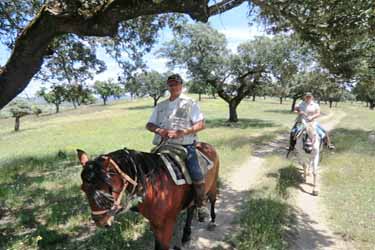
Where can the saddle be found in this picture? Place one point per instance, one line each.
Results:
(174, 157)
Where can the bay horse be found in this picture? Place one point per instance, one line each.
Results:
(308, 147)
(108, 177)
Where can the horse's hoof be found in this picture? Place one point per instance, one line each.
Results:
(185, 239)
(315, 193)
(211, 226)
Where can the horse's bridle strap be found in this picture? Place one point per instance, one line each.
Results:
(121, 173)
(127, 179)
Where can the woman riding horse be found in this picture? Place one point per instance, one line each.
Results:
(310, 111)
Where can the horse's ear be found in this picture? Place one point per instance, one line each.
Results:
(82, 156)
(107, 161)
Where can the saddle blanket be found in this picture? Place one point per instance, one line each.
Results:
(174, 157)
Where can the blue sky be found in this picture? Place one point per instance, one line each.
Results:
(233, 24)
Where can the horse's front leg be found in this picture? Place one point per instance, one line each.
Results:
(163, 234)
(315, 164)
(187, 229)
(305, 171)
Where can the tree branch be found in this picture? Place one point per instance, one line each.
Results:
(224, 6)
(31, 45)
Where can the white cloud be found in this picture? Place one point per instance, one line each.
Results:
(236, 36)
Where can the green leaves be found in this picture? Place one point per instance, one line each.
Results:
(20, 108)
(107, 89)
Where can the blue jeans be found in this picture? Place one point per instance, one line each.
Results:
(319, 129)
(193, 164)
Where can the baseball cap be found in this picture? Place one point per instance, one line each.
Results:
(175, 78)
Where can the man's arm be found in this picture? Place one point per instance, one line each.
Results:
(157, 130)
(195, 128)
(198, 126)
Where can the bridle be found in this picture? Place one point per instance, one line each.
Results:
(305, 132)
(117, 208)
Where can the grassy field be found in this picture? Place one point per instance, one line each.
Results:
(42, 207)
(41, 203)
(348, 178)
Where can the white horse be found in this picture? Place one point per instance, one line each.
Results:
(308, 151)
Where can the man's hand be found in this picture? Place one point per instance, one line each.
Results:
(162, 132)
(173, 134)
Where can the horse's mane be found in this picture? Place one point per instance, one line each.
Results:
(138, 164)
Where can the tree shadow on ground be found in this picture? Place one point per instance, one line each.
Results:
(352, 140)
(44, 162)
(242, 123)
(280, 111)
(289, 176)
(140, 107)
(268, 222)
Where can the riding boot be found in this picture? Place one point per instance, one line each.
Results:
(201, 201)
(292, 142)
(327, 142)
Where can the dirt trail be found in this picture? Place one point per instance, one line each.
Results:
(232, 194)
(311, 233)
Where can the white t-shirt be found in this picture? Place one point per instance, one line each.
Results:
(310, 109)
(181, 113)
(195, 116)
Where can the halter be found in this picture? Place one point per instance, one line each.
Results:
(303, 132)
(116, 208)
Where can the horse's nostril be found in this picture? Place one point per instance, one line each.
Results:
(107, 226)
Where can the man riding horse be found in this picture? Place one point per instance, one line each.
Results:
(178, 119)
(310, 111)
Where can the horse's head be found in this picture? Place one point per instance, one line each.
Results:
(310, 139)
(103, 187)
(310, 130)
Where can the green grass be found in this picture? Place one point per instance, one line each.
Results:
(348, 179)
(268, 216)
(42, 206)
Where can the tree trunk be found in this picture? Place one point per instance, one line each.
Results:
(372, 105)
(330, 103)
(17, 124)
(233, 111)
(155, 101)
(254, 96)
(104, 100)
(74, 105)
(200, 96)
(281, 100)
(293, 104)
(57, 106)
(264, 97)
(213, 92)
